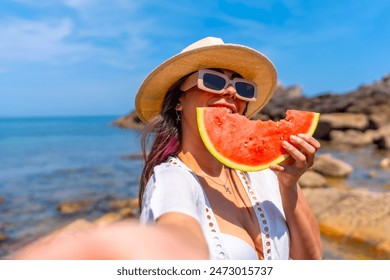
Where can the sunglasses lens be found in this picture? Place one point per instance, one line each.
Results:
(213, 82)
(245, 90)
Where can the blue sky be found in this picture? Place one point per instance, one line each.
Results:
(88, 57)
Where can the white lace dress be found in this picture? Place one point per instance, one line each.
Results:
(175, 188)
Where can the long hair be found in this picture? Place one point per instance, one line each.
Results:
(167, 136)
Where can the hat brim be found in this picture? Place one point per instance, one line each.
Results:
(249, 63)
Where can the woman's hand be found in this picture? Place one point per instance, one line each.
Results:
(305, 241)
(302, 158)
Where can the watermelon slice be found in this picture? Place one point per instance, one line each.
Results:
(250, 145)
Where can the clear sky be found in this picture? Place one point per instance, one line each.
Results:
(88, 57)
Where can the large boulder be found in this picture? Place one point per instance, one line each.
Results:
(327, 165)
(359, 216)
(351, 137)
(342, 121)
(379, 115)
(312, 179)
(72, 207)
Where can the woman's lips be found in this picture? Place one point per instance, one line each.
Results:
(230, 108)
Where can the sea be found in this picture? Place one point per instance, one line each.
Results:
(46, 161)
(49, 160)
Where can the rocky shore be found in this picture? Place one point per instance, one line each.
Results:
(356, 119)
(358, 218)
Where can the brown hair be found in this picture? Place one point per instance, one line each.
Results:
(167, 136)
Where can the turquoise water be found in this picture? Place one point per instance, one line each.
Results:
(45, 161)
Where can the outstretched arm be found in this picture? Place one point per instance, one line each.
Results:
(181, 239)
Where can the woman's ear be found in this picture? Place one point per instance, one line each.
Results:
(178, 106)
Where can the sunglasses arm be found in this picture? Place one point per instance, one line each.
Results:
(190, 82)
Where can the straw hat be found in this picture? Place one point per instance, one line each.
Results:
(209, 52)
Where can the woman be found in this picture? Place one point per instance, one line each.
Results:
(186, 190)
(197, 207)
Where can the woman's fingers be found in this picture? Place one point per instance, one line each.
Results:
(311, 141)
(276, 167)
(303, 145)
(297, 155)
(302, 150)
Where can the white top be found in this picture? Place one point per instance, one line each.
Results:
(175, 188)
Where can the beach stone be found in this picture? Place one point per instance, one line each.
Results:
(351, 137)
(342, 121)
(128, 212)
(380, 115)
(374, 230)
(327, 165)
(71, 207)
(384, 130)
(107, 219)
(321, 201)
(359, 216)
(3, 237)
(385, 163)
(127, 208)
(133, 156)
(129, 121)
(312, 179)
(130, 202)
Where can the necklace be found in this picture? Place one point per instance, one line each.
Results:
(224, 185)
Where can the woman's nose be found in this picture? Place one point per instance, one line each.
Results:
(230, 92)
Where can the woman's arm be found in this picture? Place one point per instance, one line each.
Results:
(175, 236)
(186, 231)
(305, 241)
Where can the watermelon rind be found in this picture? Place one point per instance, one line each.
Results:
(232, 164)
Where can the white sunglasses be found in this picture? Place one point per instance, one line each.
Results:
(216, 82)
